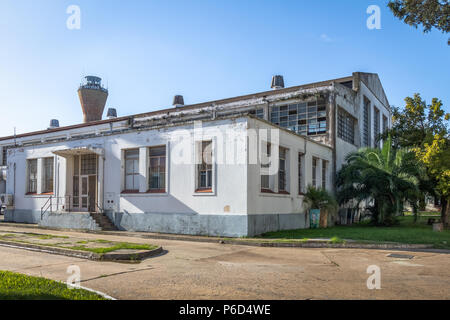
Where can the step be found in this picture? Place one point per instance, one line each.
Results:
(103, 222)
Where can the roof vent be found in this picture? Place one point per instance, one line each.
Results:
(53, 124)
(277, 82)
(112, 113)
(178, 101)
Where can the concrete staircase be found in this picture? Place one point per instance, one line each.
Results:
(103, 221)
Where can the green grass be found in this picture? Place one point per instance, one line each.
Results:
(46, 236)
(406, 232)
(114, 247)
(15, 286)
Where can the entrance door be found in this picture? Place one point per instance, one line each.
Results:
(84, 193)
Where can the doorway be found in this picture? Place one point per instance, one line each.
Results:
(85, 183)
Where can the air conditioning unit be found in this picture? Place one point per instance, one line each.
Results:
(6, 200)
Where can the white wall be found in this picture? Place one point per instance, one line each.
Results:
(230, 185)
(267, 203)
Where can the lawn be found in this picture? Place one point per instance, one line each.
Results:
(113, 246)
(406, 232)
(15, 286)
(99, 246)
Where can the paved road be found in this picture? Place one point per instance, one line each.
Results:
(195, 270)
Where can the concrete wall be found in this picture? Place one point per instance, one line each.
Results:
(208, 225)
(179, 223)
(347, 99)
(261, 223)
(286, 204)
(22, 216)
(375, 101)
(69, 221)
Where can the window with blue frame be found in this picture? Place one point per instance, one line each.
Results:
(305, 118)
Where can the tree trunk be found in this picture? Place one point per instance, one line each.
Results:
(445, 211)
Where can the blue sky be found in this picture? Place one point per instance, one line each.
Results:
(148, 51)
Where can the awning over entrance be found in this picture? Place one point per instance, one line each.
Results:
(79, 151)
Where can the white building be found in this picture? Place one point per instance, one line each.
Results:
(151, 172)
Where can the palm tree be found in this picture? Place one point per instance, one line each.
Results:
(387, 176)
(320, 200)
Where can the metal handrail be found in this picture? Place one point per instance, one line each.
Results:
(49, 207)
(98, 207)
(67, 204)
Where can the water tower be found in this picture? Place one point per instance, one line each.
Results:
(92, 98)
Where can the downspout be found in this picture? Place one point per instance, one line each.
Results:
(333, 135)
(56, 168)
(103, 183)
(14, 192)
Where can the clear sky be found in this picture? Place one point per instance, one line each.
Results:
(147, 51)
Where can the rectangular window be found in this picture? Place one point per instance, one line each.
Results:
(47, 186)
(376, 126)
(88, 164)
(4, 156)
(306, 118)
(204, 168)
(265, 178)
(324, 174)
(32, 176)
(157, 169)
(385, 123)
(131, 170)
(259, 113)
(282, 170)
(300, 178)
(346, 126)
(314, 172)
(366, 128)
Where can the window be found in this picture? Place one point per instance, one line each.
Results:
(376, 125)
(265, 178)
(157, 169)
(282, 170)
(314, 172)
(366, 131)
(307, 118)
(131, 170)
(300, 178)
(324, 174)
(47, 186)
(259, 113)
(32, 176)
(385, 123)
(204, 168)
(4, 156)
(88, 164)
(346, 126)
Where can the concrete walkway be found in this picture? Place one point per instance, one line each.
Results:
(198, 270)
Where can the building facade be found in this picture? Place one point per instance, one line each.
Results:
(232, 167)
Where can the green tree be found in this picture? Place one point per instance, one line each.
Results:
(428, 13)
(385, 177)
(425, 129)
(319, 198)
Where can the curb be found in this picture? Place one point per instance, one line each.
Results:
(253, 243)
(83, 254)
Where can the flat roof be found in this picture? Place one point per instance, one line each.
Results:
(186, 107)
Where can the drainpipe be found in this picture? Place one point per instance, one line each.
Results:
(333, 108)
(14, 192)
(102, 195)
